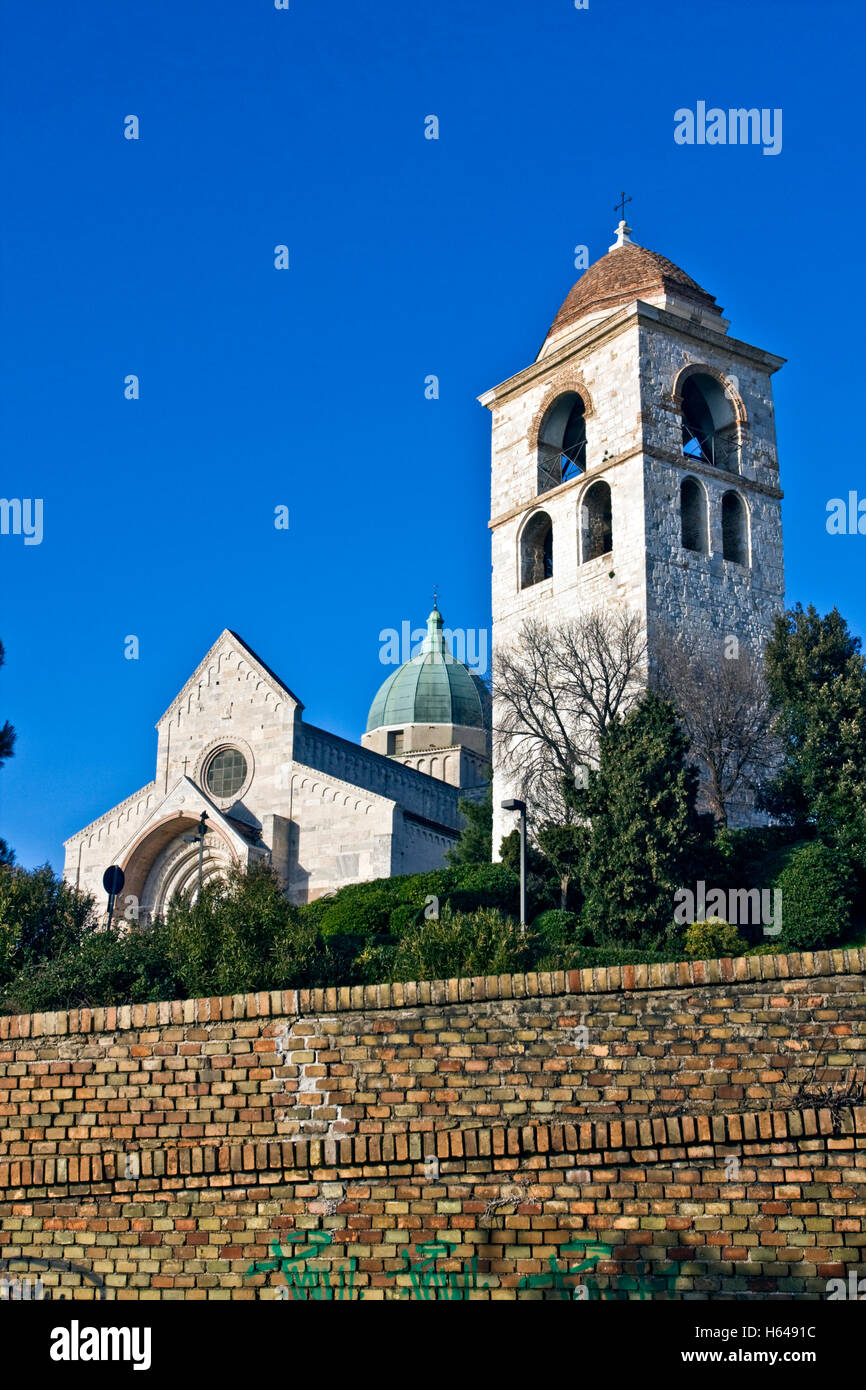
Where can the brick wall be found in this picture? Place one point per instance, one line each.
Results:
(633, 1132)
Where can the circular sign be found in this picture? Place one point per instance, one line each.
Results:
(113, 880)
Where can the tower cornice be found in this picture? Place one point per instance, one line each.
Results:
(611, 327)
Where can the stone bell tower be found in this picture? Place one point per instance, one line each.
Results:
(634, 463)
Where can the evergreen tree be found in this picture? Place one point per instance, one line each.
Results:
(7, 741)
(644, 830)
(475, 845)
(817, 681)
(564, 847)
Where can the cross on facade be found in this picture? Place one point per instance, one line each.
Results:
(620, 206)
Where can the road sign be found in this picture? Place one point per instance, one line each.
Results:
(113, 880)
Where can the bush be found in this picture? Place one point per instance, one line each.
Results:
(240, 934)
(558, 931)
(41, 916)
(817, 892)
(713, 938)
(484, 885)
(404, 917)
(457, 943)
(588, 957)
(362, 909)
(752, 857)
(393, 905)
(374, 962)
(109, 966)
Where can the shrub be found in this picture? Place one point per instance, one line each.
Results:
(393, 905)
(752, 857)
(108, 966)
(558, 930)
(374, 962)
(587, 957)
(404, 917)
(361, 909)
(817, 892)
(240, 934)
(485, 942)
(484, 885)
(713, 938)
(40, 917)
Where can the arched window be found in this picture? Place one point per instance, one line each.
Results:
(562, 442)
(709, 423)
(596, 525)
(735, 529)
(693, 516)
(536, 550)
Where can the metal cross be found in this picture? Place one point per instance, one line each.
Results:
(620, 206)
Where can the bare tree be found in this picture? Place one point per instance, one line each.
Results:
(554, 691)
(724, 707)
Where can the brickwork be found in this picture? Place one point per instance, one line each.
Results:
(448, 1139)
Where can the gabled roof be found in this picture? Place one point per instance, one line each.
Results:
(229, 638)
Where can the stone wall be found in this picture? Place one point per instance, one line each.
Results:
(637, 1132)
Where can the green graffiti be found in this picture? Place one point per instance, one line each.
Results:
(592, 1252)
(303, 1284)
(429, 1283)
(432, 1284)
(555, 1278)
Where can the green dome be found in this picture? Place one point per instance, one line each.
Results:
(432, 688)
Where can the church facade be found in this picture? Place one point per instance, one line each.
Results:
(234, 746)
(634, 465)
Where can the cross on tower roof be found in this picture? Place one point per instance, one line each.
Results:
(620, 206)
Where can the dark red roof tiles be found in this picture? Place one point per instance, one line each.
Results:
(630, 272)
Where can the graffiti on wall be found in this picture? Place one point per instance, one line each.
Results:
(430, 1282)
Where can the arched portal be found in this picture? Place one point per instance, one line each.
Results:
(164, 863)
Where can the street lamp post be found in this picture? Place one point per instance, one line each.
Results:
(514, 805)
(199, 840)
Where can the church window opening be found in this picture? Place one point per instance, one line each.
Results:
(693, 516)
(226, 772)
(735, 529)
(395, 741)
(562, 442)
(709, 423)
(596, 522)
(536, 550)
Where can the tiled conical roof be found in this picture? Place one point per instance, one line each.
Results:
(626, 273)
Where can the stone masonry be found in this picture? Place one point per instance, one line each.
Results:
(628, 351)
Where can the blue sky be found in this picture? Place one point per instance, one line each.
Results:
(408, 257)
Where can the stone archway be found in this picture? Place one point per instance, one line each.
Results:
(164, 863)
